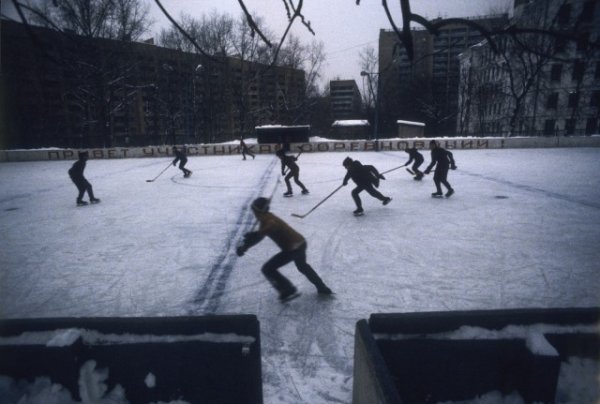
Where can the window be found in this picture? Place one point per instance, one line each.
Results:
(578, 69)
(570, 126)
(595, 99)
(587, 13)
(552, 102)
(583, 41)
(573, 100)
(556, 72)
(564, 14)
(591, 126)
(549, 127)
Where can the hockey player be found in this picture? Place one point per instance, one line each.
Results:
(444, 160)
(418, 160)
(76, 174)
(245, 150)
(182, 158)
(294, 172)
(293, 248)
(364, 177)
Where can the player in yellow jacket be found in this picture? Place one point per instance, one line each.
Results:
(293, 248)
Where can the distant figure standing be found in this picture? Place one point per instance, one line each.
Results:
(294, 172)
(418, 160)
(444, 160)
(76, 174)
(182, 158)
(293, 248)
(245, 150)
(365, 176)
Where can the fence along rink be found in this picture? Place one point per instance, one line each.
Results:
(318, 146)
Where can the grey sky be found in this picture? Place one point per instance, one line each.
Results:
(341, 25)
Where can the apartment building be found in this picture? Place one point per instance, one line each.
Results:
(65, 90)
(425, 88)
(345, 99)
(543, 85)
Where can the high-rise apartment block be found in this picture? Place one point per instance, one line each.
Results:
(345, 99)
(64, 90)
(425, 89)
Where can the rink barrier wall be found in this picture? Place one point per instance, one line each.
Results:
(197, 359)
(408, 357)
(346, 146)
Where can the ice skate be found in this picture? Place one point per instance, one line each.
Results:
(288, 295)
(358, 212)
(437, 195)
(94, 200)
(324, 291)
(305, 192)
(81, 203)
(288, 194)
(386, 200)
(449, 193)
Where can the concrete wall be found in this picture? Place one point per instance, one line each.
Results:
(325, 146)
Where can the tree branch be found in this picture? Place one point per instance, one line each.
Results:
(184, 33)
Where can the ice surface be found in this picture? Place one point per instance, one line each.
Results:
(521, 231)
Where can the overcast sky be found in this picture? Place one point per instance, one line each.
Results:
(343, 27)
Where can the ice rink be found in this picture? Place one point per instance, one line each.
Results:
(521, 231)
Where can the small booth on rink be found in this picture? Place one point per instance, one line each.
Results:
(282, 134)
(409, 129)
(350, 129)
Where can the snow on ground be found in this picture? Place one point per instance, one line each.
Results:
(522, 231)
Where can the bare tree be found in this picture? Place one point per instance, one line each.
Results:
(112, 19)
(369, 63)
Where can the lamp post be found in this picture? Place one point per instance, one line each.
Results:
(376, 120)
(197, 70)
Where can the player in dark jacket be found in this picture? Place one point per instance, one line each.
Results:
(76, 174)
(293, 248)
(444, 160)
(182, 158)
(245, 150)
(365, 177)
(418, 160)
(294, 172)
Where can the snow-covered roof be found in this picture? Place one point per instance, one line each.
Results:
(410, 123)
(281, 126)
(351, 122)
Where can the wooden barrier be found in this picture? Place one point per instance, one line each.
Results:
(346, 146)
(458, 356)
(211, 359)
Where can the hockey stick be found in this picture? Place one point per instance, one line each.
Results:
(153, 179)
(392, 169)
(318, 204)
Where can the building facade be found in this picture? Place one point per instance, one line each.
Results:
(64, 90)
(425, 89)
(345, 99)
(541, 85)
